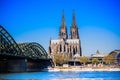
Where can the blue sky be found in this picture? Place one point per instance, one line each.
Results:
(39, 20)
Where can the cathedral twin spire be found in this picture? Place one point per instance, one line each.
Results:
(63, 29)
(73, 20)
(63, 20)
(73, 29)
(66, 45)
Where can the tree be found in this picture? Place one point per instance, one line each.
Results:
(83, 60)
(108, 59)
(59, 59)
(95, 61)
(66, 58)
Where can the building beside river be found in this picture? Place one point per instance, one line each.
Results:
(68, 45)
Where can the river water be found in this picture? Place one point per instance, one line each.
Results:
(113, 75)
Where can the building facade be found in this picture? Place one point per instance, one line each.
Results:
(68, 45)
(98, 56)
(116, 56)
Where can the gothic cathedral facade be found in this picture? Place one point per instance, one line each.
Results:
(66, 45)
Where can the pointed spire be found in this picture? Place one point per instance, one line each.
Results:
(50, 41)
(73, 19)
(63, 21)
(74, 29)
(63, 29)
(97, 52)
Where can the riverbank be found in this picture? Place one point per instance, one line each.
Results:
(81, 69)
(90, 69)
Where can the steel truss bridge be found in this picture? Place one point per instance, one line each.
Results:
(26, 56)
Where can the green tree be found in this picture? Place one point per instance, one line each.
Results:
(83, 60)
(95, 61)
(66, 58)
(59, 59)
(108, 59)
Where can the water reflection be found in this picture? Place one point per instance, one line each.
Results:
(80, 79)
(62, 76)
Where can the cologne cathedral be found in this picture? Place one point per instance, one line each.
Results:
(68, 45)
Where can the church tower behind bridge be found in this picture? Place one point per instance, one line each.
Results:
(68, 46)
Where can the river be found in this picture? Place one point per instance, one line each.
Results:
(93, 75)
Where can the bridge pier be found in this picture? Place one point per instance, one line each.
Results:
(22, 64)
(17, 65)
(3, 65)
(12, 65)
(37, 64)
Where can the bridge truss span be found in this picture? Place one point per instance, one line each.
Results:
(9, 47)
(33, 50)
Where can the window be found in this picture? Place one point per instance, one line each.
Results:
(60, 48)
(76, 48)
(70, 48)
(64, 48)
(74, 51)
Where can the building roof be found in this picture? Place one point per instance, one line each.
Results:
(98, 55)
(115, 53)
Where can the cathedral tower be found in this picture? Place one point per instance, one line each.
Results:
(73, 29)
(63, 30)
(70, 47)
